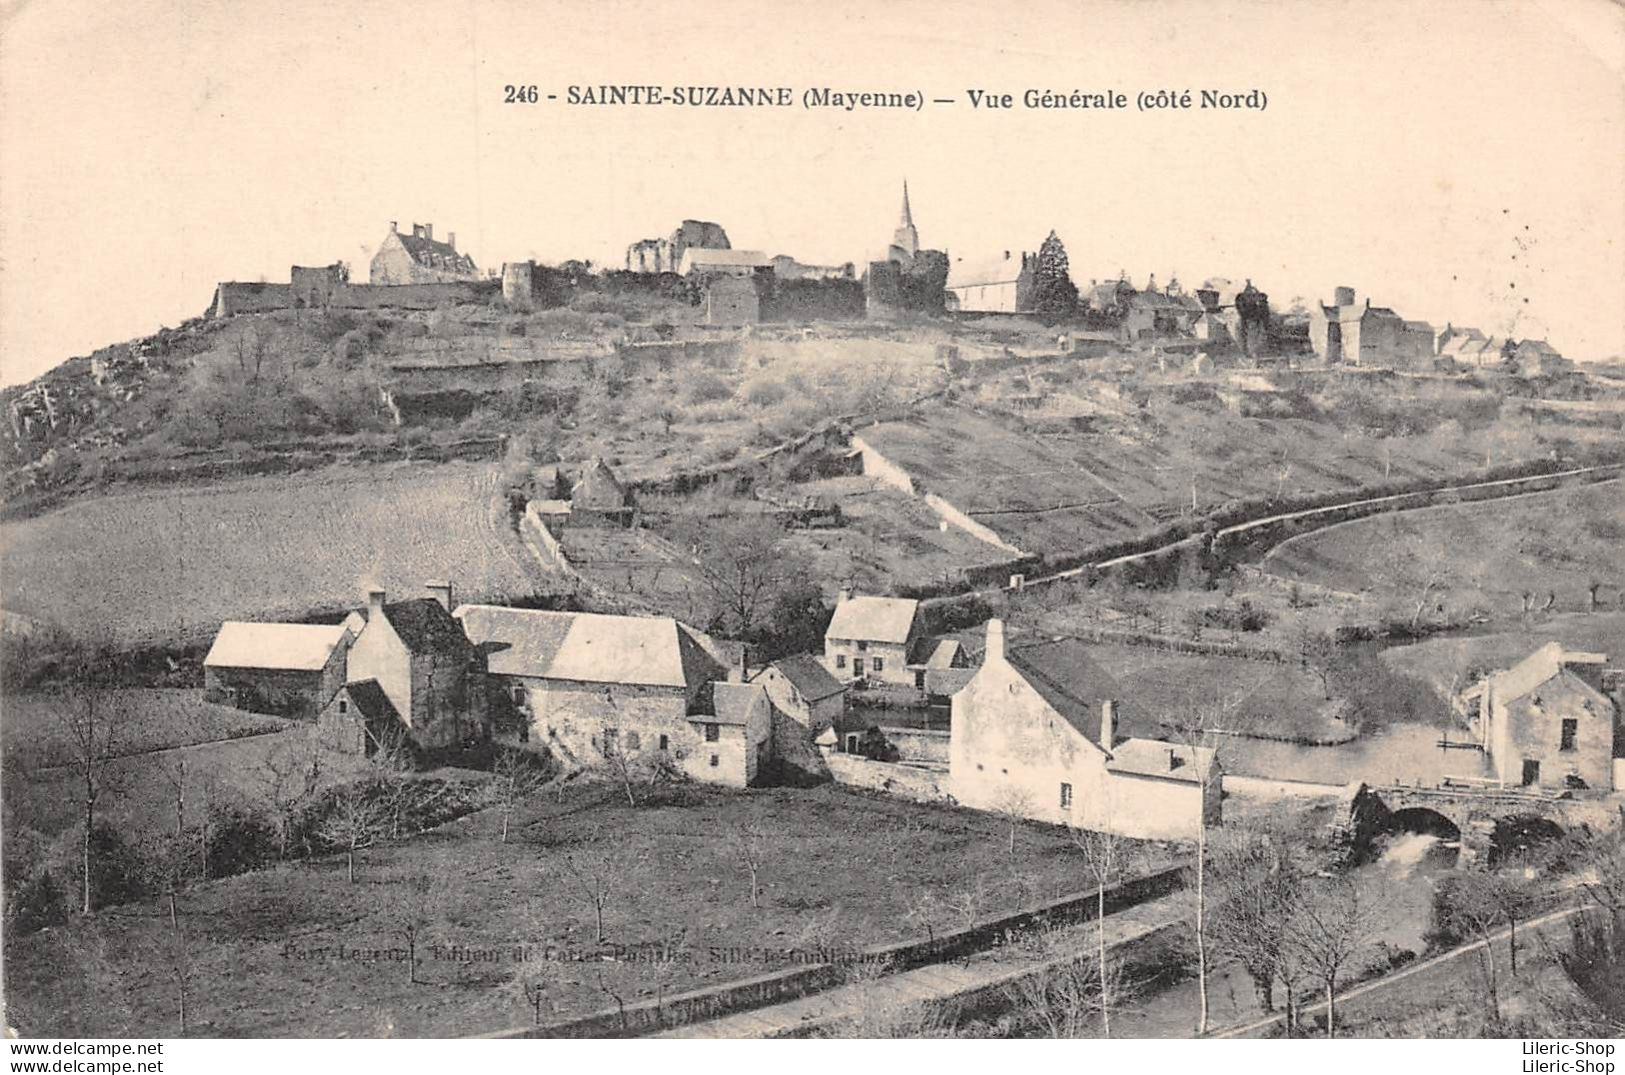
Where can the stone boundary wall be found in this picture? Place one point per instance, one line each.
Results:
(918, 744)
(903, 781)
(713, 1001)
(235, 297)
(532, 526)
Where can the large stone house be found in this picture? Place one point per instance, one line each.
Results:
(426, 667)
(1546, 722)
(1035, 732)
(588, 687)
(288, 669)
(872, 639)
(420, 258)
(802, 690)
(1359, 335)
(999, 284)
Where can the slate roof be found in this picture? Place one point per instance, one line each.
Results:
(732, 703)
(426, 627)
(809, 677)
(701, 258)
(587, 647)
(1167, 761)
(288, 647)
(1538, 668)
(873, 619)
(983, 271)
(434, 253)
(1068, 679)
(371, 701)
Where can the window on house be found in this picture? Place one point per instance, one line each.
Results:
(611, 738)
(1066, 796)
(633, 741)
(665, 744)
(1570, 729)
(712, 733)
(840, 660)
(344, 706)
(715, 761)
(880, 663)
(518, 695)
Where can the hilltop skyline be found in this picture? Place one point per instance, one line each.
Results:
(1449, 183)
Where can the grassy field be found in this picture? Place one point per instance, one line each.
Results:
(35, 734)
(1264, 699)
(1485, 555)
(1458, 661)
(839, 869)
(170, 565)
(1044, 488)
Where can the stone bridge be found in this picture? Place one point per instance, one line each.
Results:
(1488, 821)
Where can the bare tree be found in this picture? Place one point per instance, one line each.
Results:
(1476, 904)
(744, 566)
(393, 767)
(419, 903)
(353, 825)
(1102, 857)
(1258, 888)
(290, 776)
(92, 717)
(1200, 726)
(748, 843)
(596, 873)
(1332, 926)
(517, 777)
(1060, 998)
(1015, 805)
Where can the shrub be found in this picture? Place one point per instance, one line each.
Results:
(351, 347)
(765, 392)
(708, 388)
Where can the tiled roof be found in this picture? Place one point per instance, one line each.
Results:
(588, 647)
(809, 677)
(873, 619)
(426, 627)
(1066, 677)
(290, 647)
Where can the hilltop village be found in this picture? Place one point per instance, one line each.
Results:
(857, 618)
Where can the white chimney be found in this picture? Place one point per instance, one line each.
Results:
(392, 227)
(451, 239)
(441, 591)
(843, 597)
(1108, 724)
(995, 641)
(375, 602)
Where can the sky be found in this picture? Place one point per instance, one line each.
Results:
(1460, 162)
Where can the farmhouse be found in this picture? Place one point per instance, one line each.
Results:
(1035, 732)
(1545, 722)
(288, 669)
(802, 689)
(871, 639)
(425, 665)
(420, 258)
(589, 687)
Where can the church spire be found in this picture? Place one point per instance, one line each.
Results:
(908, 217)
